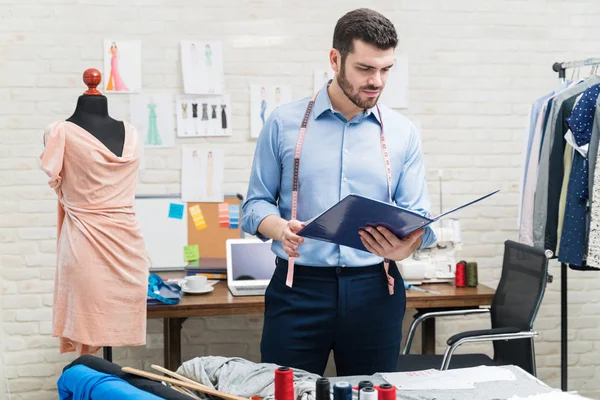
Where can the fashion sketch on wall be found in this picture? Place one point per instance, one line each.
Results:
(202, 67)
(202, 172)
(203, 115)
(122, 66)
(152, 115)
(263, 100)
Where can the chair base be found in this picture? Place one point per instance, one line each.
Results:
(418, 362)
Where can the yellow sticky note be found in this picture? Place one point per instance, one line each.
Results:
(191, 253)
(197, 217)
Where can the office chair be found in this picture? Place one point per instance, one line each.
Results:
(512, 313)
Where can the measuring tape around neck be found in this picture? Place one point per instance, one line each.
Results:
(299, 143)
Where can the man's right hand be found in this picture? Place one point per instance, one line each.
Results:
(289, 240)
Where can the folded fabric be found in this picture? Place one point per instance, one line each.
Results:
(145, 384)
(83, 383)
(245, 378)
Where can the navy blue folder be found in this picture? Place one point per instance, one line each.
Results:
(340, 223)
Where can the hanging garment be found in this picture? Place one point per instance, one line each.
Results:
(550, 170)
(537, 107)
(573, 237)
(101, 276)
(204, 112)
(531, 168)
(567, 163)
(593, 250)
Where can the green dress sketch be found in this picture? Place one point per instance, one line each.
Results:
(153, 137)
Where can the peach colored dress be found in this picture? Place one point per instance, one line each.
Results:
(102, 267)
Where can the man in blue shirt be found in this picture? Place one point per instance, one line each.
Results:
(336, 298)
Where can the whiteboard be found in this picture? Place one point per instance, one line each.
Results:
(164, 237)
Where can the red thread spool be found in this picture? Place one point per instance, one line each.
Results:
(386, 392)
(460, 276)
(284, 384)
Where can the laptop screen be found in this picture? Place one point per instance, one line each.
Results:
(252, 261)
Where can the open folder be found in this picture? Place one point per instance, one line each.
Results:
(340, 223)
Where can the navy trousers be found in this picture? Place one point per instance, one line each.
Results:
(348, 310)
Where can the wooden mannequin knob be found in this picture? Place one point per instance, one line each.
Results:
(92, 78)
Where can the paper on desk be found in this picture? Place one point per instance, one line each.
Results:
(433, 379)
(554, 395)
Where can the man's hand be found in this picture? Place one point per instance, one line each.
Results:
(384, 243)
(289, 240)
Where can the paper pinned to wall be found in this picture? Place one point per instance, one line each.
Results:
(152, 116)
(202, 174)
(263, 100)
(395, 93)
(202, 67)
(122, 66)
(203, 115)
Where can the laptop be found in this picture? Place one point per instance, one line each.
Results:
(250, 266)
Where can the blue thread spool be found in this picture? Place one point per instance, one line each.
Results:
(342, 391)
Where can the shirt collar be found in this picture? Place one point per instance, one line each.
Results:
(323, 103)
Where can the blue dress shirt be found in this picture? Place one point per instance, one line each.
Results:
(339, 157)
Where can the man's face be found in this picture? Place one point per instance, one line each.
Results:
(362, 76)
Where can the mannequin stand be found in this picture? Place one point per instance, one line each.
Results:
(108, 353)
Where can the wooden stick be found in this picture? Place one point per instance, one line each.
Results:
(176, 375)
(183, 391)
(194, 386)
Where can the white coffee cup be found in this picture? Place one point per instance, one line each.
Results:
(195, 282)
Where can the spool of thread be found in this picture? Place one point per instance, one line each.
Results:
(284, 384)
(386, 392)
(323, 389)
(471, 272)
(368, 393)
(460, 279)
(342, 391)
(362, 385)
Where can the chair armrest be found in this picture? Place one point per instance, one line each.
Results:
(482, 332)
(488, 336)
(436, 314)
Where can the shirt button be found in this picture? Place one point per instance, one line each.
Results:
(345, 179)
(343, 265)
(345, 151)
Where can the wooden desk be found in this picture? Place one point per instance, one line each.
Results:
(222, 302)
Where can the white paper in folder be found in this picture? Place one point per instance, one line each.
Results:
(433, 379)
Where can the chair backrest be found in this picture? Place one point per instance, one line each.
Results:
(517, 300)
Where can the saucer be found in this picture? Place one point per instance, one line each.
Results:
(206, 289)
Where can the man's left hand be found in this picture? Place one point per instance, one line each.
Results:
(383, 243)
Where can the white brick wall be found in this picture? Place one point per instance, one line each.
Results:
(474, 68)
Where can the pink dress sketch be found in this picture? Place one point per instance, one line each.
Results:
(115, 82)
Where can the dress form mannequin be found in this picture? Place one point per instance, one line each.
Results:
(91, 114)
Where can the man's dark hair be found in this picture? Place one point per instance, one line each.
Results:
(366, 25)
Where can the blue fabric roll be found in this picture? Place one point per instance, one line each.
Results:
(83, 383)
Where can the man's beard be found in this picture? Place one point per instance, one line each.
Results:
(354, 95)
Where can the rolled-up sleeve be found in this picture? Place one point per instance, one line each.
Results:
(412, 190)
(265, 178)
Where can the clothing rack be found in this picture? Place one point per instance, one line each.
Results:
(561, 68)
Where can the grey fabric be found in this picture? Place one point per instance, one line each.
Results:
(245, 378)
(541, 191)
(593, 216)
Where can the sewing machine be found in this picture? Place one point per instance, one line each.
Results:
(437, 263)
